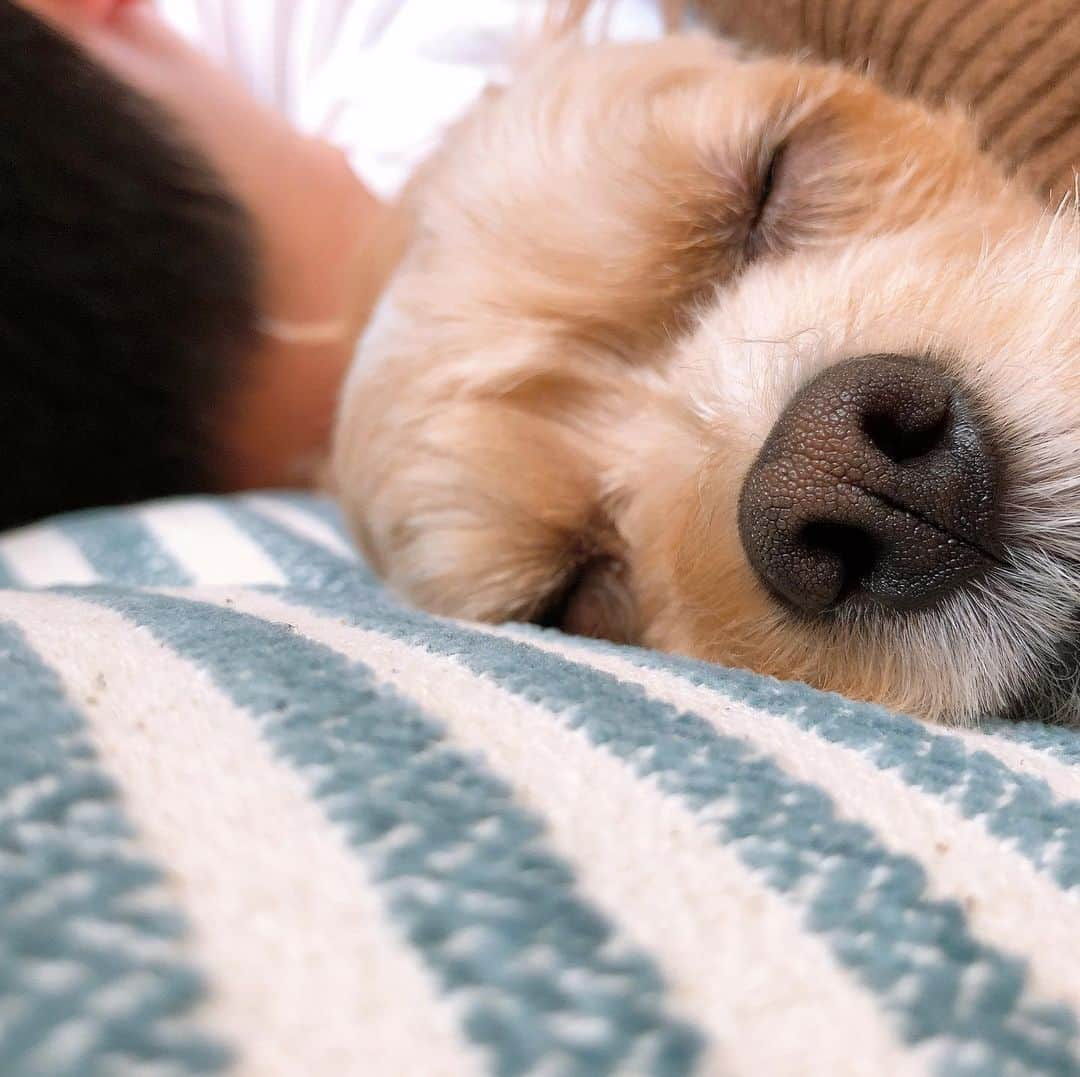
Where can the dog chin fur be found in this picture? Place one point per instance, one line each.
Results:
(599, 322)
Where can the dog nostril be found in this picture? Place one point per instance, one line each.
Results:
(901, 440)
(853, 550)
(877, 484)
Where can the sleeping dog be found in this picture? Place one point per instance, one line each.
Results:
(738, 358)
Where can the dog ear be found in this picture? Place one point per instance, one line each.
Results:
(471, 507)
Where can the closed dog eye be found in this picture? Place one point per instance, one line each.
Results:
(595, 601)
(771, 176)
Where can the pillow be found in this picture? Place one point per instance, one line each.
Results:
(255, 814)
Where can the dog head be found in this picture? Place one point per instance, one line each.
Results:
(746, 360)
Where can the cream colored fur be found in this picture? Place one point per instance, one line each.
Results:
(592, 335)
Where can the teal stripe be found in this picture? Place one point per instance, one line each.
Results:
(121, 548)
(303, 562)
(323, 509)
(7, 579)
(355, 571)
(916, 954)
(458, 859)
(1020, 808)
(62, 866)
(1062, 742)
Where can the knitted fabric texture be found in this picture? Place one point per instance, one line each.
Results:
(257, 816)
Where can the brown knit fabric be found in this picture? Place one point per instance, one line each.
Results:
(1014, 63)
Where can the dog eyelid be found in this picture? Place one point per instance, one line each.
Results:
(767, 184)
(758, 238)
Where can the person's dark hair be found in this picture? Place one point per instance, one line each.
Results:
(127, 285)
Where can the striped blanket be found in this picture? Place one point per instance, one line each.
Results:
(258, 817)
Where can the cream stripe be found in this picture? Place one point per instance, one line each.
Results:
(1062, 778)
(42, 556)
(304, 524)
(208, 545)
(311, 975)
(735, 954)
(1009, 903)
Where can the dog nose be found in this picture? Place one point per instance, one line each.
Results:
(877, 485)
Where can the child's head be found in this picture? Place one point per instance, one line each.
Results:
(127, 283)
(153, 215)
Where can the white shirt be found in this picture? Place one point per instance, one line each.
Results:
(381, 79)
